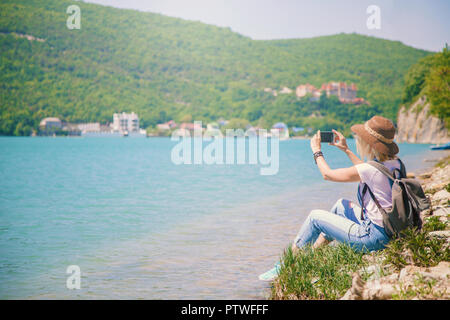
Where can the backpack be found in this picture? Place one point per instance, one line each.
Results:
(408, 200)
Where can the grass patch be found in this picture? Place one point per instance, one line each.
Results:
(434, 224)
(443, 163)
(422, 289)
(326, 272)
(416, 248)
(323, 273)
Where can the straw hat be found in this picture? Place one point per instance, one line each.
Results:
(379, 133)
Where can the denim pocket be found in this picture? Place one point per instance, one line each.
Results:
(363, 231)
(365, 228)
(358, 230)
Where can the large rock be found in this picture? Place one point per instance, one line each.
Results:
(415, 125)
(441, 212)
(441, 195)
(379, 289)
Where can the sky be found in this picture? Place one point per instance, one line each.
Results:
(423, 24)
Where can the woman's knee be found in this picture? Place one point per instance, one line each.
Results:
(339, 205)
(316, 214)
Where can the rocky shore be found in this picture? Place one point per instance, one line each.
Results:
(409, 276)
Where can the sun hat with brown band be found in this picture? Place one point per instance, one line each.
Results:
(379, 133)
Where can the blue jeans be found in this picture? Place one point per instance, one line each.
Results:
(343, 224)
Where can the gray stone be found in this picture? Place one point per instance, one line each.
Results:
(441, 212)
(403, 274)
(441, 195)
(375, 272)
(442, 234)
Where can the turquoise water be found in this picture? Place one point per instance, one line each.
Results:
(141, 227)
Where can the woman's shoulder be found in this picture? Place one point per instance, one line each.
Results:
(365, 171)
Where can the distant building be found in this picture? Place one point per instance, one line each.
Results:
(272, 91)
(89, 127)
(212, 130)
(285, 90)
(359, 101)
(191, 126)
(188, 129)
(282, 130)
(172, 124)
(212, 126)
(71, 129)
(222, 122)
(304, 89)
(346, 93)
(162, 126)
(125, 122)
(167, 125)
(50, 124)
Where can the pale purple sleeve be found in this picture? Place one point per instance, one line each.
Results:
(365, 171)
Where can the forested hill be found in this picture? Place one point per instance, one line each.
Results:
(163, 68)
(430, 77)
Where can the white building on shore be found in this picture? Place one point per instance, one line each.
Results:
(125, 122)
(50, 123)
(123, 125)
(89, 127)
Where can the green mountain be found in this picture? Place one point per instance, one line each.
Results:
(430, 77)
(163, 68)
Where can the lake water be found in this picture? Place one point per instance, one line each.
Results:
(141, 227)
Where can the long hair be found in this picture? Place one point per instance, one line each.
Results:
(367, 153)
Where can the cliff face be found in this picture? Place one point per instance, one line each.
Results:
(415, 125)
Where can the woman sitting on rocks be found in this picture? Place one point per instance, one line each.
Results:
(347, 222)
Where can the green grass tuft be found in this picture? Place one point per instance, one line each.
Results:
(442, 164)
(434, 224)
(416, 248)
(324, 273)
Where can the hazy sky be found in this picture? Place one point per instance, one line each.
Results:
(419, 23)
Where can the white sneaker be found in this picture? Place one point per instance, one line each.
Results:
(271, 274)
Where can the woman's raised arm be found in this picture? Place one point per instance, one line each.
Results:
(341, 143)
(338, 175)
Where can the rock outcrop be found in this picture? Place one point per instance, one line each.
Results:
(420, 283)
(416, 125)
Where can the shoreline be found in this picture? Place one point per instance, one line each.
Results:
(416, 266)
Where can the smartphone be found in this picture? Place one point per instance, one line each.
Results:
(326, 136)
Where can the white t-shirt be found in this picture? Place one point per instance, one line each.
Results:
(380, 186)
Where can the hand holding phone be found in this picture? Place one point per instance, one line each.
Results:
(326, 136)
(339, 141)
